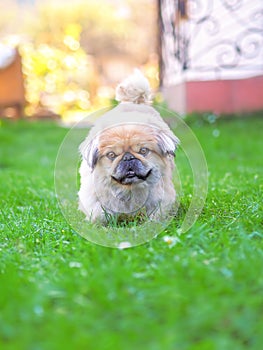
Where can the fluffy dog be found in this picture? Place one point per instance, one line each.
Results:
(128, 159)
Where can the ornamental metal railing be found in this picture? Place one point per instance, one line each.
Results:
(210, 38)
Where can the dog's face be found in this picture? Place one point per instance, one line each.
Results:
(130, 154)
(128, 161)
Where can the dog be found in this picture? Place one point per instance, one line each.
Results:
(128, 159)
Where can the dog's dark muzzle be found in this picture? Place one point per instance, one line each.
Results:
(130, 170)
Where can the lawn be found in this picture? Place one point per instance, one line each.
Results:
(205, 291)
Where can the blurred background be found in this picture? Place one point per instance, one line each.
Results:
(63, 60)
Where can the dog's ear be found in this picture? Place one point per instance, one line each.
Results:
(90, 152)
(167, 142)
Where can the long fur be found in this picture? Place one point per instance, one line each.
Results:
(128, 125)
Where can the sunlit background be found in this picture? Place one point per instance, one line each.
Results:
(72, 54)
(63, 59)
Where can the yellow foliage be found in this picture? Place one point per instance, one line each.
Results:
(55, 79)
(68, 43)
(73, 30)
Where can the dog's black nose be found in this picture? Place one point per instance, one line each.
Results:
(128, 156)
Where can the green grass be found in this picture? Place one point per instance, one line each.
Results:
(59, 291)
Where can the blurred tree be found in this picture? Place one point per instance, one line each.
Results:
(70, 46)
(102, 26)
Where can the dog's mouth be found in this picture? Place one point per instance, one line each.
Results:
(132, 177)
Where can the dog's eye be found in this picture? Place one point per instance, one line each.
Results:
(111, 155)
(144, 151)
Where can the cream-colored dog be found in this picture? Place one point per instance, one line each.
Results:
(128, 159)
